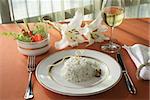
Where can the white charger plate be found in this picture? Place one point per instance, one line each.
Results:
(53, 81)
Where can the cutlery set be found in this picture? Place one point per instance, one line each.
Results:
(31, 63)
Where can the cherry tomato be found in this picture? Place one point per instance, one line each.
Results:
(36, 38)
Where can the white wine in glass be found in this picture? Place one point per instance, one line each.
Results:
(113, 15)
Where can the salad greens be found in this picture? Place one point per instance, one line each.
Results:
(23, 38)
(38, 33)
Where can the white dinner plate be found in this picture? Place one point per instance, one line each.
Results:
(53, 81)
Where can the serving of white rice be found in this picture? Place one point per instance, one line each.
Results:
(78, 69)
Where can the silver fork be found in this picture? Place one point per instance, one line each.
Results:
(31, 68)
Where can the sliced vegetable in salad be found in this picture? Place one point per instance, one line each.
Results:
(38, 33)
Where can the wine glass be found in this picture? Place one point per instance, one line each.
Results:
(113, 15)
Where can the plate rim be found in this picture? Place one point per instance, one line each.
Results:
(79, 94)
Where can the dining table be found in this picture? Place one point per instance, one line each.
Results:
(14, 74)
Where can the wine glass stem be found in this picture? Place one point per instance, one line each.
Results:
(112, 31)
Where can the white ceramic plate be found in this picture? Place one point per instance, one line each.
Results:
(53, 81)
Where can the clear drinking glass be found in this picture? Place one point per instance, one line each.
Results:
(113, 15)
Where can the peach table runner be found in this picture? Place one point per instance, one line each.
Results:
(14, 76)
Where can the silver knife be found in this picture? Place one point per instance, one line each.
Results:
(128, 80)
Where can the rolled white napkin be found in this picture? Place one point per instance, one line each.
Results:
(140, 54)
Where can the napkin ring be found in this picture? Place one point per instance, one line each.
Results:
(139, 69)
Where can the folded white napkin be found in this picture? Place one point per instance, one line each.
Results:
(140, 54)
